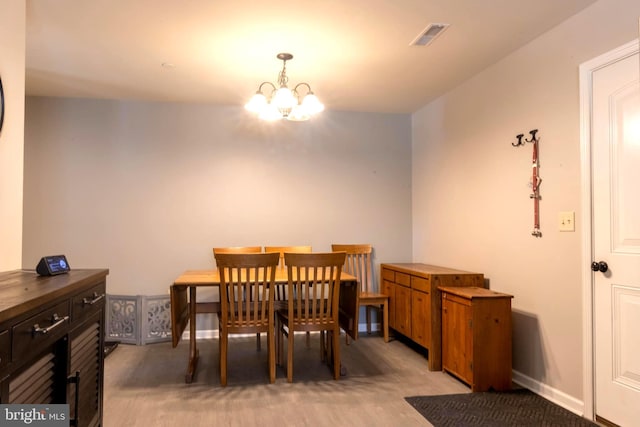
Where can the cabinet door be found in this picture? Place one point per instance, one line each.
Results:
(87, 359)
(389, 289)
(421, 318)
(403, 310)
(457, 342)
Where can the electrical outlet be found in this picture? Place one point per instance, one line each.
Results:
(567, 221)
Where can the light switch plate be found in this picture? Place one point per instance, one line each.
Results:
(567, 221)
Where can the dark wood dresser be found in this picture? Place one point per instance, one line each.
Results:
(52, 340)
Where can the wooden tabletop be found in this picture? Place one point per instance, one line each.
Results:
(212, 277)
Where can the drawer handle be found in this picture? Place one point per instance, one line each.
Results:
(93, 300)
(56, 321)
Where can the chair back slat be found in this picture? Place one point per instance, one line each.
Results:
(358, 263)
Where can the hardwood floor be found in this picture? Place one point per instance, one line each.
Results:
(144, 386)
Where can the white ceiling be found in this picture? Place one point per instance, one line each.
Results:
(355, 54)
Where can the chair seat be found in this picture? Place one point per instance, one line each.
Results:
(301, 325)
(373, 297)
(248, 312)
(246, 322)
(283, 313)
(281, 308)
(250, 324)
(280, 305)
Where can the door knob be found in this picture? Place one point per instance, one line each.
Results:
(599, 266)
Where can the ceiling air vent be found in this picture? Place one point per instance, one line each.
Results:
(429, 34)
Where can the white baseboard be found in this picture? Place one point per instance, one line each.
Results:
(556, 396)
(202, 334)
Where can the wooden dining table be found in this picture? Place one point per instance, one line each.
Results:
(184, 307)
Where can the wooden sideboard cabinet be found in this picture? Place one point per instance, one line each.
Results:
(415, 302)
(52, 341)
(476, 337)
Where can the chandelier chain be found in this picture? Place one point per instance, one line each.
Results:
(282, 77)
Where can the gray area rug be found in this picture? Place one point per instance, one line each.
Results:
(513, 408)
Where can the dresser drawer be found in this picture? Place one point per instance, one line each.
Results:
(88, 301)
(39, 330)
(4, 349)
(420, 284)
(389, 275)
(403, 279)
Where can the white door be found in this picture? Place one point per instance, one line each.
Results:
(615, 145)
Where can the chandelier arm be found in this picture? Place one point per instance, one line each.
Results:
(295, 89)
(273, 87)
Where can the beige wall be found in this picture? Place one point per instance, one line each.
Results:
(12, 60)
(147, 189)
(471, 206)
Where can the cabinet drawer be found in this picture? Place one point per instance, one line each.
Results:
(456, 299)
(4, 349)
(420, 284)
(388, 275)
(88, 301)
(403, 279)
(39, 330)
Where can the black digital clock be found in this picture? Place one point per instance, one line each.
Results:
(52, 265)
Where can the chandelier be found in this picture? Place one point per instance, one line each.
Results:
(283, 103)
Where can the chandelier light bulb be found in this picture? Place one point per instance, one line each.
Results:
(256, 103)
(284, 99)
(298, 114)
(312, 104)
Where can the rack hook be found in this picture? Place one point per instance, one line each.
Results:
(520, 142)
(533, 136)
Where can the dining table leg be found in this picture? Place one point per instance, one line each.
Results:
(193, 350)
(327, 340)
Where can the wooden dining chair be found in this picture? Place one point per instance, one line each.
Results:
(313, 290)
(281, 289)
(358, 263)
(246, 298)
(240, 250)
